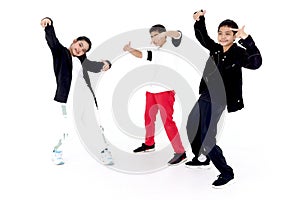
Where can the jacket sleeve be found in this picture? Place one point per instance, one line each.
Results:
(202, 35)
(92, 66)
(252, 58)
(51, 38)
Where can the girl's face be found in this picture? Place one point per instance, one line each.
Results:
(78, 48)
(226, 36)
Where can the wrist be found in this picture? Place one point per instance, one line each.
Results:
(164, 34)
(244, 36)
(130, 49)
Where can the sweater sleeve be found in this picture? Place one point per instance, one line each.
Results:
(51, 38)
(202, 35)
(92, 66)
(252, 58)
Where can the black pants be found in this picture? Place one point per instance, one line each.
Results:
(202, 130)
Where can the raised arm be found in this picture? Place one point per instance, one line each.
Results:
(201, 32)
(252, 58)
(176, 37)
(171, 34)
(50, 35)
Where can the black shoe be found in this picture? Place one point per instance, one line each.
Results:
(144, 148)
(195, 163)
(222, 181)
(177, 159)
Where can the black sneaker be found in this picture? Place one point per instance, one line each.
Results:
(177, 159)
(144, 148)
(195, 164)
(222, 181)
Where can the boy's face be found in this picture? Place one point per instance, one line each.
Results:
(78, 48)
(156, 40)
(225, 36)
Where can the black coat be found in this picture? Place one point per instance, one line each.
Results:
(63, 65)
(222, 75)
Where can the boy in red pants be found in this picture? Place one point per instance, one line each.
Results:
(158, 98)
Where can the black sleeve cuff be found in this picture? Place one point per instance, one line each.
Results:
(247, 42)
(176, 42)
(149, 55)
(109, 63)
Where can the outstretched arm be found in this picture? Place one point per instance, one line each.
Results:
(94, 66)
(134, 52)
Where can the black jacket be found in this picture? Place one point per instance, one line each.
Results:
(222, 75)
(62, 64)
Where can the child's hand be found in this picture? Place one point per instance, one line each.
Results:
(45, 22)
(240, 32)
(197, 14)
(127, 47)
(105, 66)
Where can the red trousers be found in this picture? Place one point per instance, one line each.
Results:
(163, 102)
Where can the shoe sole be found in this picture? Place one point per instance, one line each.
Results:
(224, 186)
(58, 163)
(198, 166)
(182, 161)
(146, 151)
(110, 163)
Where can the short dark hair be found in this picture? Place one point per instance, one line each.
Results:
(157, 27)
(87, 40)
(230, 23)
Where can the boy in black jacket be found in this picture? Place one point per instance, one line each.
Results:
(62, 63)
(220, 86)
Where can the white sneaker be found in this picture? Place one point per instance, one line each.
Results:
(106, 157)
(57, 157)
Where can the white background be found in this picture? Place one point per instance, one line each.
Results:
(259, 142)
